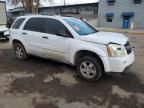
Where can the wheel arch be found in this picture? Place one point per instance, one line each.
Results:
(82, 53)
(14, 41)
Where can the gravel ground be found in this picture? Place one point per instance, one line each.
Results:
(41, 83)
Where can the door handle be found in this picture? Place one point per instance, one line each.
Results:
(45, 37)
(24, 33)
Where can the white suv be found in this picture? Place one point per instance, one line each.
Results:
(71, 41)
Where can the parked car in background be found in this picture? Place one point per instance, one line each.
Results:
(4, 32)
(71, 41)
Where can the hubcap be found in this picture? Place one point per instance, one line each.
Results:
(19, 52)
(88, 69)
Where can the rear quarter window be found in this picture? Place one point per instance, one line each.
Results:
(17, 23)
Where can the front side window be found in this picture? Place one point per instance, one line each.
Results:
(34, 24)
(81, 27)
(55, 27)
(18, 22)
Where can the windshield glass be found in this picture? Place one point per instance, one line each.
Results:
(81, 27)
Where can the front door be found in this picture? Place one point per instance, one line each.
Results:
(56, 47)
(125, 22)
(56, 39)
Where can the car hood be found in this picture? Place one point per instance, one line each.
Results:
(105, 38)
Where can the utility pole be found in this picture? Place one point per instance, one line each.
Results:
(64, 2)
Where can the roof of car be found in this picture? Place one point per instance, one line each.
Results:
(44, 16)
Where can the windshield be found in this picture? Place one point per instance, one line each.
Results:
(81, 27)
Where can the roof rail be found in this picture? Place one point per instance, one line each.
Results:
(31, 14)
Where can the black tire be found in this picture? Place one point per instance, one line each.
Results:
(24, 55)
(96, 63)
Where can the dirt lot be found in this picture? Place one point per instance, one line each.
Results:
(40, 83)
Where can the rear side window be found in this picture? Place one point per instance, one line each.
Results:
(34, 24)
(18, 22)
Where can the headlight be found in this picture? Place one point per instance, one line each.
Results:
(115, 50)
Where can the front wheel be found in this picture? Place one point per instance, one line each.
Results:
(89, 68)
(20, 51)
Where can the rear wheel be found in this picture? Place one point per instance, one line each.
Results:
(89, 68)
(20, 51)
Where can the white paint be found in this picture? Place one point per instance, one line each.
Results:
(105, 38)
(64, 49)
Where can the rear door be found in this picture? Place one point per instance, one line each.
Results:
(32, 33)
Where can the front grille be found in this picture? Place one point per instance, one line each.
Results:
(128, 47)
